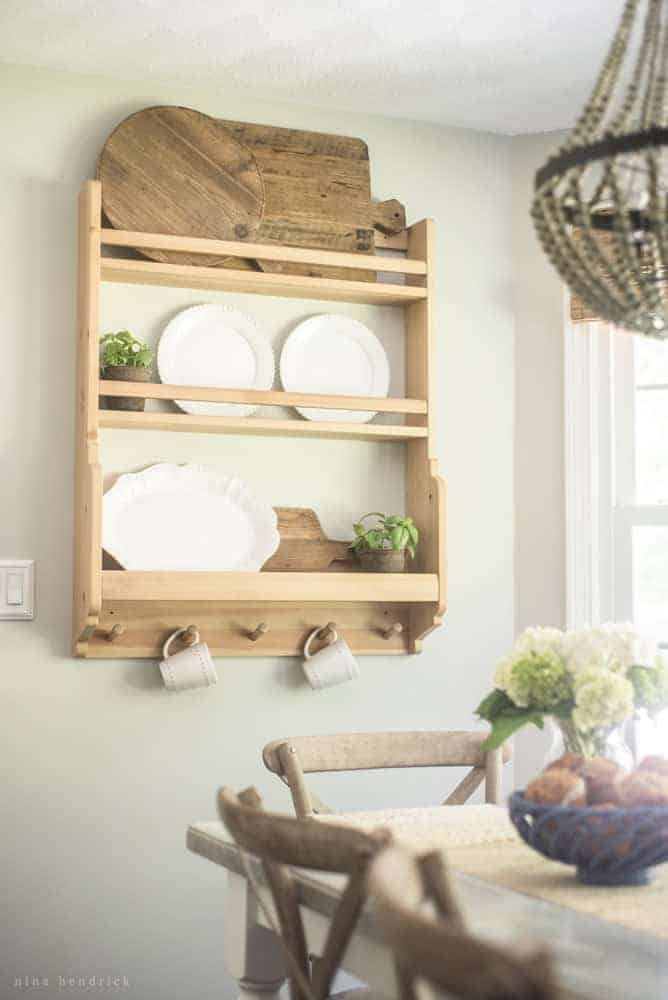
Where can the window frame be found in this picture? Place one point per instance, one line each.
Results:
(599, 439)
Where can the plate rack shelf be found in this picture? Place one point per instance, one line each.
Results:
(128, 614)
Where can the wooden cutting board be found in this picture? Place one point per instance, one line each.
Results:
(317, 187)
(304, 547)
(175, 170)
(318, 194)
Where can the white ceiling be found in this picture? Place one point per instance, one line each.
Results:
(507, 66)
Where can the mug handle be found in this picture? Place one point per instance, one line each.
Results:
(175, 635)
(307, 645)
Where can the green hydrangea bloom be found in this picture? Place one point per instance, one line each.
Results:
(650, 686)
(537, 681)
(602, 699)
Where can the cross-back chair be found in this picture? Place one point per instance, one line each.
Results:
(438, 949)
(294, 757)
(281, 841)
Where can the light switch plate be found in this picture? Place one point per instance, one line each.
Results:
(17, 589)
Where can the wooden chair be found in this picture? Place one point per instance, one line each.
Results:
(294, 757)
(438, 948)
(279, 841)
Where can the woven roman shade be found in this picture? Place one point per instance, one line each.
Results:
(608, 248)
(580, 311)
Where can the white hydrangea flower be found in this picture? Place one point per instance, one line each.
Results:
(614, 647)
(539, 641)
(603, 698)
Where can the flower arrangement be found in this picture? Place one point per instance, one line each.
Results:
(122, 348)
(589, 680)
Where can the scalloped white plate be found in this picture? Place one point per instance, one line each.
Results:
(338, 356)
(186, 517)
(219, 347)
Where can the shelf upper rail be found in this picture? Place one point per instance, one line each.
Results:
(262, 251)
(205, 424)
(259, 397)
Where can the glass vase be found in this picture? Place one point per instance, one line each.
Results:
(610, 743)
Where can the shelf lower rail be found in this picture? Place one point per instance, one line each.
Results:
(145, 272)
(304, 588)
(158, 421)
(262, 397)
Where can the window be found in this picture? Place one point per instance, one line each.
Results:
(640, 434)
(616, 407)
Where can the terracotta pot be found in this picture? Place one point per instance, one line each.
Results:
(125, 373)
(383, 561)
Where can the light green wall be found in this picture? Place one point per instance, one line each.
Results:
(104, 768)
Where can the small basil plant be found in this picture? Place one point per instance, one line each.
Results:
(387, 532)
(122, 348)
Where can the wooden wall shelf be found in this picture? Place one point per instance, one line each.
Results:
(129, 614)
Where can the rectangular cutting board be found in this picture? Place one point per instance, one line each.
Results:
(317, 187)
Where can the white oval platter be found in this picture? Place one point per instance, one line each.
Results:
(219, 347)
(187, 517)
(334, 355)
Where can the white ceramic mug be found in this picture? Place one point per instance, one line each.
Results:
(191, 668)
(334, 664)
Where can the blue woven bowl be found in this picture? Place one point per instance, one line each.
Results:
(608, 846)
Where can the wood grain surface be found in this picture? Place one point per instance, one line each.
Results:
(304, 547)
(318, 193)
(175, 170)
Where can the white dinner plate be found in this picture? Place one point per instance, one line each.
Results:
(219, 347)
(334, 355)
(186, 517)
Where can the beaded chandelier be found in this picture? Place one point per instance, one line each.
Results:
(601, 201)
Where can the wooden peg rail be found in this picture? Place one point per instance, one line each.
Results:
(309, 580)
(229, 629)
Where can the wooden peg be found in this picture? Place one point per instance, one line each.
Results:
(115, 632)
(258, 632)
(190, 636)
(396, 628)
(328, 632)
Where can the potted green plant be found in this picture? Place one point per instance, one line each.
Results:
(382, 547)
(125, 358)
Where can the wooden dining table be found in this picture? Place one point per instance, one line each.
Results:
(607, 943)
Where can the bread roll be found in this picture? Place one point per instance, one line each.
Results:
(557, 786)
(643, 788)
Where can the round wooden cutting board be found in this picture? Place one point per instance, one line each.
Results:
(174, 170)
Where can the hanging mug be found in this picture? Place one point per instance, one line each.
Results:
(192, 667)
(333, 664)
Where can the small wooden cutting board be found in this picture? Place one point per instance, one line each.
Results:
(304, 547)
